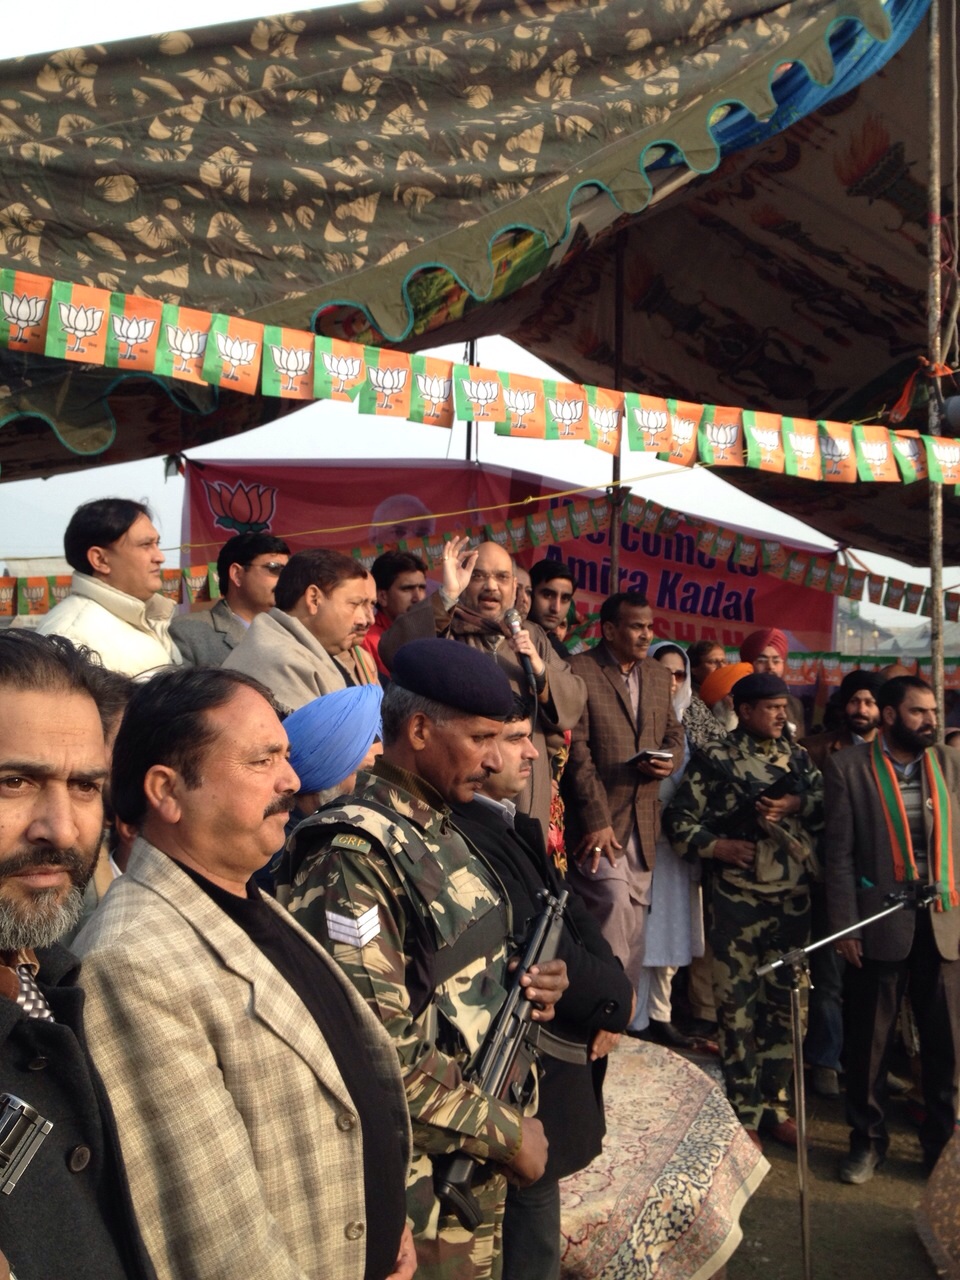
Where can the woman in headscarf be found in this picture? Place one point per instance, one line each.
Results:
(674, 932)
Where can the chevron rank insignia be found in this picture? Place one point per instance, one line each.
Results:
(355, 931)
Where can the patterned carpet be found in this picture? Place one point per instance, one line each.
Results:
(663, 1201)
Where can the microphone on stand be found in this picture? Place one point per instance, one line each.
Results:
(515, 623)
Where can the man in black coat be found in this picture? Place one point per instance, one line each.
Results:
(66, 1212)
(595, 1008)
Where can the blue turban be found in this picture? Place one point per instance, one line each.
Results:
(330, 736)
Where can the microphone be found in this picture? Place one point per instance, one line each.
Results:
(514, 622)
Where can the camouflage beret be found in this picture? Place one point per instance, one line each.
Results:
(455, 675)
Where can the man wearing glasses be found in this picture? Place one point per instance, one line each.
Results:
(477, 591)
(247, 567)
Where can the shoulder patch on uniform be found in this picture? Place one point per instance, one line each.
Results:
(346, 840)
(356, 931)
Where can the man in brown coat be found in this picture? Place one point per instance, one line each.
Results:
(892, 815)
(611, 791)
(857, 697)
(476, 592)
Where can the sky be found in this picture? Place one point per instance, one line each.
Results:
(33, 513)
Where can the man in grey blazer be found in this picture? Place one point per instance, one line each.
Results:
(887, 805)
(259, 1102)
(247, 570)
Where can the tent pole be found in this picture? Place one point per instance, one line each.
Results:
(617, 494)
(471, 358)
(933, 342)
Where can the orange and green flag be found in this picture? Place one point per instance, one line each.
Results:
(567, 411)
(910, 455)
(233, 354)
(386, 391)
(605, 417)
(78, 323)
(837, 578)
(684, 420)
(133, 332)
(182, 343)
(837, 452)
(801, 448)
(8, 597)
(524, 410)
(893, 596)
(24, 310)
(761, 433)
(875, 454)
(431, 391)
(287, 367)
(33, 596)
(943, 459)
(338, 369)
(170, 587)
(875, 584)
(856, 580)
(478, 395)
(648, 423)
(720, 436)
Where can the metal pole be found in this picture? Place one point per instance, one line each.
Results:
(933, 353)
(800, 975)
(616, 493)
(471, 357)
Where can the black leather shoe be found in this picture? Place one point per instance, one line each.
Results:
(666, 1033)
(860, 1166)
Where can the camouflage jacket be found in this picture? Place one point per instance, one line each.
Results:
(388, 894)
(719, 791)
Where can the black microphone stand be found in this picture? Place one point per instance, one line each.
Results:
(915, 898)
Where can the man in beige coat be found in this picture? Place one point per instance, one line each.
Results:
(259, 1102)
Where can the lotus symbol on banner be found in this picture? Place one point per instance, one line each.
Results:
(768, 438)
(344, 368)
(81, 322)
(566, 412)
(244, 508)
(605, 420)
(132, 331)
(520, 403)
(683, 429)
(186, 345)
(6, 596)
(652, 422)
(60, 591)
(480, 394)
(236, 352)
(723, 436)
(803, 446)
(908, 447)
(436, 390)
(835, 449)
(388, 382)
(292, 362)
(22, 310)
(34, 594)
(948, 455)
(875, 452)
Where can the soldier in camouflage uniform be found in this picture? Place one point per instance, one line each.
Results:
(763, 852)
(422, 926)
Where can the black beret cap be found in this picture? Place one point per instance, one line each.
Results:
(753, 688)
(455, 675)
(854, 681)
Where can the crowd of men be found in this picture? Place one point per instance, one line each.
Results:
(299, 840)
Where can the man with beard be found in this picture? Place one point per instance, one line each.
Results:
(67, 1213)
(893, 819)
(477, 590)
(823, 1044)
(260, 1097)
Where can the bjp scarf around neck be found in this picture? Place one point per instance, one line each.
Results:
(898, 828)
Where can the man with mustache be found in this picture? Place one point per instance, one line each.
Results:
(893, 822)
(260, 1097)
(420, 924)
(471, 607)
(66, 1214)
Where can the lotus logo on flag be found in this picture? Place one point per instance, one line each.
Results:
(818, 575)
(875, 452)
(34, 595)
(802, 446)
(186, 344)
(480, 394)
(520, 403)
(797, 571)
(6, 596)
(539, 527)
(344, 368)
(723, 436)
(292, 362)
(948, 455)
(604, 421)
(768, 440)
(434, 390)
(652, 422)
(388, 382)
(683, 429)
(908, 447)
(242, 508)
(81, 322)
(236, 352)
(836, 450)
(196, 582)
(566, 412)
(132, 331)
(22, 310)
(723, 546)
(60, 591)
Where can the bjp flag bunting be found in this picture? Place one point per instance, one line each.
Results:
(648, 423)
(386, 391)
(338, 369)
(24, 310)
(523, 405)
(801, 448)
(78, 328)
(720, 436)
(182, 343)
(910, 455)
(684, 420)
(567, 411)
(233, 354)
(431, 391)
(287, 367)
(604, 415)
(761, 433)
(478, 395)
(837, 452)
(875, 456)
(133, 332)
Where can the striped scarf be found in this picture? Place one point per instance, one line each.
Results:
(898, 828)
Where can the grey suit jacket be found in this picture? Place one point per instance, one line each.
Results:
(233, 1118)
(279, 651)
(859, 861)
(206, 638)
(599, 788)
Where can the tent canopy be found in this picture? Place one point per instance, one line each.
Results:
(402, 173)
